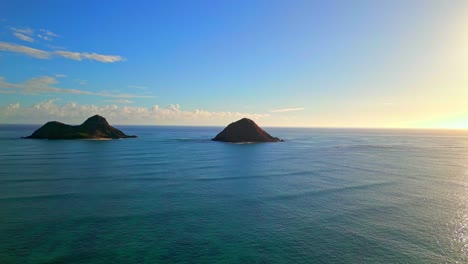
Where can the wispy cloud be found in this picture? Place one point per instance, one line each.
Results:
(90, 56)
(27, 34)
(81, 82)
(69, 55)
(45, 84)
(47, 35)
(102, 58)
(138, 87)
(120, 101)
(287, 110)
(24, 34)
(26, 31)
(23, 37)
(44, 37)
(72, 112)
(42, 54)
(36, 53)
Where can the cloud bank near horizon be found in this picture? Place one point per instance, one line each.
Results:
(74, 113)
(283, 110)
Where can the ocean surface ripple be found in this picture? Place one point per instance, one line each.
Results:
(174, 196)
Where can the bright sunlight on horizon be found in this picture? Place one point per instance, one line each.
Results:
(357, 64)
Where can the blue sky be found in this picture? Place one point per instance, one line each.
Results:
(283, 63)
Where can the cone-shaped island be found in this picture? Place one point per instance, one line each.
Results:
(95, 127)
(244, 130)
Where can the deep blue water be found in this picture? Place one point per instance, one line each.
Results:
(174, 196)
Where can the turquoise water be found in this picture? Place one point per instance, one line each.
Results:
(174, 196)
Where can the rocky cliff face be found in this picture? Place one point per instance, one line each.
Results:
(94, 127)
(244, 130)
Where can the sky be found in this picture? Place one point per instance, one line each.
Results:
(381, 64)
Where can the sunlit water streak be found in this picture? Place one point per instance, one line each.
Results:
(174, 196)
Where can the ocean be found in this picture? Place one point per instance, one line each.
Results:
(174, 196)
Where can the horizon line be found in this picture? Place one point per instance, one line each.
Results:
(274, 126)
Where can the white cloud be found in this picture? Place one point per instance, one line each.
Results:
(60, 75)
(26, 31)
(120, 101)
(72, 112)
(287, 110)
(23, 37)
(44, 37)
(69, 55)
(48, 33)
(13, 106)
(138, 87)
(41, 54)
(113, 95)
(26, 34)
(90, 56)
(45, 84)
(102, 58)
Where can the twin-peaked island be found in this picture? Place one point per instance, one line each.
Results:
(96, 127)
